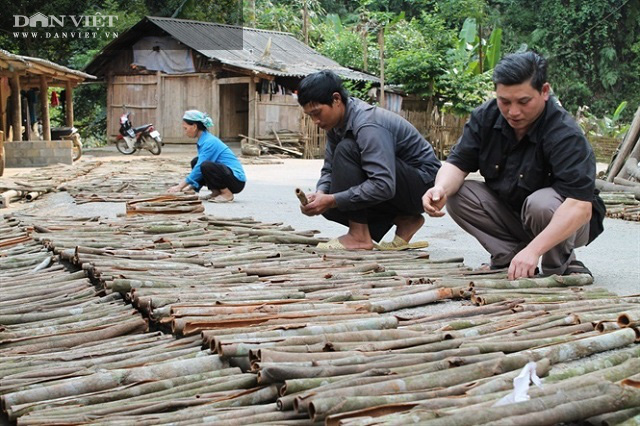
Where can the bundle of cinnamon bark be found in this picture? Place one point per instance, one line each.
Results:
(270, 330)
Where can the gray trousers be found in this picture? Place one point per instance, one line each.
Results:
(503, 233)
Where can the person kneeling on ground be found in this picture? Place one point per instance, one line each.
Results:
(215, 167)
(539, 198)
(376, 167)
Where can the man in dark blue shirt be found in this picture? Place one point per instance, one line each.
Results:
(538, 200)
(376, 166)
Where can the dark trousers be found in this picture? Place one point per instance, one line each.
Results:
(346, 172)
(217, 176)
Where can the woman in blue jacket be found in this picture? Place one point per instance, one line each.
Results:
(215, 167)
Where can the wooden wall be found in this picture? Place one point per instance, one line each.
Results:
(180, 93)
(137, 94)
(278, 112)
(160, 99)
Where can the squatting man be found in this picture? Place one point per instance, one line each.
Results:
(538, 200)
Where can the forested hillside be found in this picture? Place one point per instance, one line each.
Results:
(443, 49)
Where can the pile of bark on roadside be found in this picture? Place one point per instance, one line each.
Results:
(620, 190)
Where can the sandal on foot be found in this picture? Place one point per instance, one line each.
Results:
(332, 244)
(577, 267)
(205, 197)
(399, 244)
(221, 199)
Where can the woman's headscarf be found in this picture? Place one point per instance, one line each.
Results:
(195, 115)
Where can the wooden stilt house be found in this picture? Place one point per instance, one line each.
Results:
(24, 89)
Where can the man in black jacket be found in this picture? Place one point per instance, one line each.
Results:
(538, 200)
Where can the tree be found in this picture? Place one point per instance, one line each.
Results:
(589, 47)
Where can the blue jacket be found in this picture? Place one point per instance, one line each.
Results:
(210, 148)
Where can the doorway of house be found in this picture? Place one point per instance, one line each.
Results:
(234, 111)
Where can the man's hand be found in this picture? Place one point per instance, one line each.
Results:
(434, 200)
(318, 204)
(524, 264)
(184, 187)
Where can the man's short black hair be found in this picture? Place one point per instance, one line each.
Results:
(319, 87)
(519, 68)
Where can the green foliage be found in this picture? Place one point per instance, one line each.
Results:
(422, 55)
(412, 62)
(460, 89)
(278, 16)
(472, 46)
(606, 126)
(464, 83)
(589, 46)
(343, 45)
(493, 51)
(455, 12)
(358, 89)
(285, 15)
(415, 71)
(222, 11)
(90, 110)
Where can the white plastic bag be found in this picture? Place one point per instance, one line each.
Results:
(521, 385)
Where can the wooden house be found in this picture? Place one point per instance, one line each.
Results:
(243, 77)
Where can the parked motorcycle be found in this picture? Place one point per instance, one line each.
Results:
(68, 133)
(132, 139)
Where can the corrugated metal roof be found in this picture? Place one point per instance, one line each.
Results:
(288, 56)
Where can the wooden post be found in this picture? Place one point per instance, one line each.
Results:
(159, 120)
(3, 117)
(2, 161)
(381, 45)
(480, 56)
(27, 120)
(16, 105)
(44, 109)
(253, 14)
(253, 109)
(109, 80)
(215, 106)
(365, 50)
(69, 103)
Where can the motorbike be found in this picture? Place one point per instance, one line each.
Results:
(132, 139)
(68, 133)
